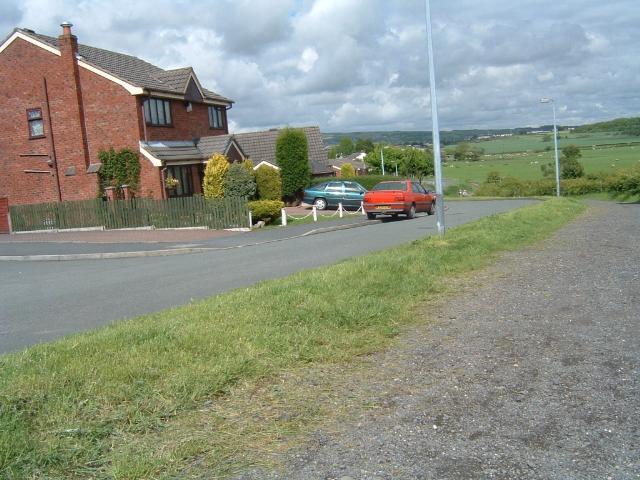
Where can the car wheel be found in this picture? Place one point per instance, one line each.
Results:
(432, 208)
(320, 203)
(371, 216)
(412, 212)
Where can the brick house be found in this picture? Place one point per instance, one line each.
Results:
(62, 102)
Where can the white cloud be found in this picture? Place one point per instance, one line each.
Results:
(350, 64)
(307, 59)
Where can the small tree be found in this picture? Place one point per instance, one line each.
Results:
(416, 163)
(293, 158)
(214, 173)
(268, 183)
(494, 177)
(347, 170)
(570, 167)
(364, 145)
(238, 182)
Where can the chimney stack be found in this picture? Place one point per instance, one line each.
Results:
(66, 28)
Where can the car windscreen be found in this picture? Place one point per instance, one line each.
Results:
(390, 186)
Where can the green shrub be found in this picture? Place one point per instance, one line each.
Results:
(266, 210)
(494, 177)
(238, 182)
(625, 183)
(268, 183)
(292, 156)
(347, 170)
(119, 168)
(214, 173)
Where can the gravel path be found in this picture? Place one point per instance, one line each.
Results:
(532, 372)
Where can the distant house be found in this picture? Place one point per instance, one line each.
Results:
(63, 102)
(355, 159)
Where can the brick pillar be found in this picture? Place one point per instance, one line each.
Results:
(4, 215)
(127, 193)
(111, 193)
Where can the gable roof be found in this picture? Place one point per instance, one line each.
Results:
(261, 146)
(257, 146)
(126, 68)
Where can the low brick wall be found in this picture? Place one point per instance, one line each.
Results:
(4, 215)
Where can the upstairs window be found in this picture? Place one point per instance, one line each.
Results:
(36, 123)
(216, 117)
(157, 111)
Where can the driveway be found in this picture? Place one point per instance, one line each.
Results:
(42, 301)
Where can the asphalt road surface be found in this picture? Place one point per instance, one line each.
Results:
(41, 301)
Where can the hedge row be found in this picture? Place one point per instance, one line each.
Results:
(621, 183)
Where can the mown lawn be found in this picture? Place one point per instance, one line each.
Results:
(134, 399)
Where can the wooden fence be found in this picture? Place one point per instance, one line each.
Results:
(138, 212)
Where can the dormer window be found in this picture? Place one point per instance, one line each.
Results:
(157, 111)
(216, 119)
(36, 123)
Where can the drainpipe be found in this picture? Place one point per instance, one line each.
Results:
(52, 143)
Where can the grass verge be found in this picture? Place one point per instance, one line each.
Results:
(133, 400)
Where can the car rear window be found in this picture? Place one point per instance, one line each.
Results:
(390, 186)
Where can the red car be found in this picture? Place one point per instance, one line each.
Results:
(395, 197)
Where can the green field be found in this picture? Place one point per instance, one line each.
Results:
(526, 165)
(535, 142)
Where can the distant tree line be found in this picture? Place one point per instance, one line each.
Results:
(626, 126)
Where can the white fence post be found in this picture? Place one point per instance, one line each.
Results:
(340, 209)
(315, 213)
(284, 218)
(362, 207)
(250, 220)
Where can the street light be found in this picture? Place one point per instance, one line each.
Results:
(435, 132)
(555, 142)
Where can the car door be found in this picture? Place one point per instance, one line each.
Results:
(353, 194)
(334, 193)
(420, 197)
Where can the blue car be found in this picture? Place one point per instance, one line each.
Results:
(330, 194)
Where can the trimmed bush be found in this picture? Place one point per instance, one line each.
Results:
(292, 155)
(238, 182)
(268, 183)
(214, 173)
(266, 210)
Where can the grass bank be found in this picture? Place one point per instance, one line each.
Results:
(134, 400)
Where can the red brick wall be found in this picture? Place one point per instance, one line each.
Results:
(4, 215)
(99, 115)
(112, 121)
(186, 125)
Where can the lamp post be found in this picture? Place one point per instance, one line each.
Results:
(435, 131)
(382, 158)
(555, 142)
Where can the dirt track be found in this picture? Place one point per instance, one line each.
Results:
(531, 373)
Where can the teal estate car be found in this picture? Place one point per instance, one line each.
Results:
(330, 194)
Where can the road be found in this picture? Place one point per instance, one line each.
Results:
(41, 301)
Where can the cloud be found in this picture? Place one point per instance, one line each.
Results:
(354, 64)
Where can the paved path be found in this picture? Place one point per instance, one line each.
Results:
(532, 372)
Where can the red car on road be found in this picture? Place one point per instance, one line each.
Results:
(399, 197)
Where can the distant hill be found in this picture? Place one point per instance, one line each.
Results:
(422, 138)
(626, 126)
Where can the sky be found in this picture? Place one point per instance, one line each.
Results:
(361, 65)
